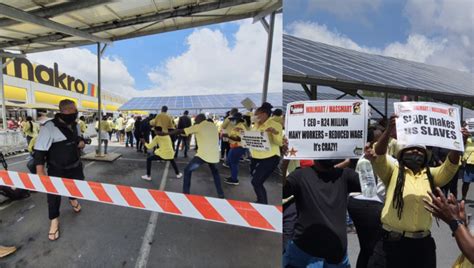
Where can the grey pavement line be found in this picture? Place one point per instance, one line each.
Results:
(144, 253)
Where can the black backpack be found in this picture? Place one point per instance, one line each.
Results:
(11, 193)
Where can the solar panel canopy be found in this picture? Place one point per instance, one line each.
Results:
(310, 62)
(290, 95)
(117, 19)
(216, 103)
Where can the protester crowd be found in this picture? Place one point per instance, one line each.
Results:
(392, 219)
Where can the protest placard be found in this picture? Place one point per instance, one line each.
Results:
(429, 124)
(328, 129)
(248, 103)
(255, 140)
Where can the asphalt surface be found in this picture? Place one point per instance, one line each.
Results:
(103, 235)
(447, 250)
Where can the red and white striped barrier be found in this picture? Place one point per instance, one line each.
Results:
(251, 215)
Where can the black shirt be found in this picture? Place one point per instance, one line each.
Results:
(184, 122)
(321, 203)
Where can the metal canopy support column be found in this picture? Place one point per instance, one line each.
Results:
(268, 58)
(314, 92)
(2, 89)
(306, 89)
(99, 102)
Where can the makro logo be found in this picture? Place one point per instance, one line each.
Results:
(297, 108)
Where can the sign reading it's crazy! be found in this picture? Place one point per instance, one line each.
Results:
(430, 124)
(326, 129)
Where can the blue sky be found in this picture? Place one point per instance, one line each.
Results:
(437, 32)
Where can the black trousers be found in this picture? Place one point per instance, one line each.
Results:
(184, 139)
(366, 217)
(405, 252)
(225, 147)
(156, 158)
(54, 201)
(261, 170)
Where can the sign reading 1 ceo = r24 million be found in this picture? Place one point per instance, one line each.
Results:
(328, 129)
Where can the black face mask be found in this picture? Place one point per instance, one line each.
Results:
(413, 161)
(68, 118)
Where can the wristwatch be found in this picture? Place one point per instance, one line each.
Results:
(454, 224)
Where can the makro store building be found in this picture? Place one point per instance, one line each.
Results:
(30, 86)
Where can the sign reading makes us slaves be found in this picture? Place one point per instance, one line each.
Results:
(24, 69)
(430, 124)
(331, 129)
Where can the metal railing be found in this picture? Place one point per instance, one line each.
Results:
(12, 141)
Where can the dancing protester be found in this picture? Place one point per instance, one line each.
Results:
(236, 150)
(207, 137)
(406, 240)
(164, 152)
(226, 127)
(453, 214)
(264, 163)
(320, 193)
(59, 144)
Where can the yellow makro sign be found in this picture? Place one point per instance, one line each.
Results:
(24, 69)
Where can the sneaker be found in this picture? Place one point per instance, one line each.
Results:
(146, 177)
(179, 176)
(231, 181)
(225, 165)
(221, 196)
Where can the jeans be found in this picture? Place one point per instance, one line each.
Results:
(185, 144)
(295, 257)
(233, 159)
(194, 164)
(261, 169)
(129, 139)
(155, 157)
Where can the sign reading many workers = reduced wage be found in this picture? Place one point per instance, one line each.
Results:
(429, 124)
(327, 129)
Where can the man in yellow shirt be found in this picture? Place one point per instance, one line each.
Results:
(82, 124)
(208, 151)
(166, 122)
(120, 124)
(468, 162)
(164, 152)
(406, 224)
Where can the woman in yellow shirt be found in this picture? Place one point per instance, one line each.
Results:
(236, 150)
(406, 238)
(164, 152)
(30, 129)
(263, 163)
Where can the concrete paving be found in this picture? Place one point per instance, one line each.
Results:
(110, 236)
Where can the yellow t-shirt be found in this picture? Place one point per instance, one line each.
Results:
(30, 130)
(278, 119)
(164, 121)
(276, 141)
(105, 126)
(469, 152)
(414, 216)
(235, 133)
(119, 123)
(111, 124)
(165, 147)
(207, 139)
(83, 126)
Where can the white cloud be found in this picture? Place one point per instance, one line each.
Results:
(211, 65)
(82, 64)
(347, 9)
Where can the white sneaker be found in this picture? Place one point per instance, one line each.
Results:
(146, 177)
(179, 176)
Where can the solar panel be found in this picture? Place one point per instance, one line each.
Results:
(310, 62)
(214, 103)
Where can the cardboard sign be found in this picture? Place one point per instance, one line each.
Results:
(470, 125)
(248, 103)
(329, 129)
(255, 140)
(429, 124)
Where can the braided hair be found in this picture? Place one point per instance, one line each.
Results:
(398, 202)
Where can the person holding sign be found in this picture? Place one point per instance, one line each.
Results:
(263, 163)
(236, 150)
(406, 239)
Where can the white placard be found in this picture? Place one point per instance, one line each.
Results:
(327, 129)
(255, 140)
(429, 124)
(248, 103)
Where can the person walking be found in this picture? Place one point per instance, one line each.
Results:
(183, 122)
(129, 131)
(164, 152)
(59, 144)
(105, 128)
(120, 127)
(30, 129)
(263, 163)
(137, 134)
